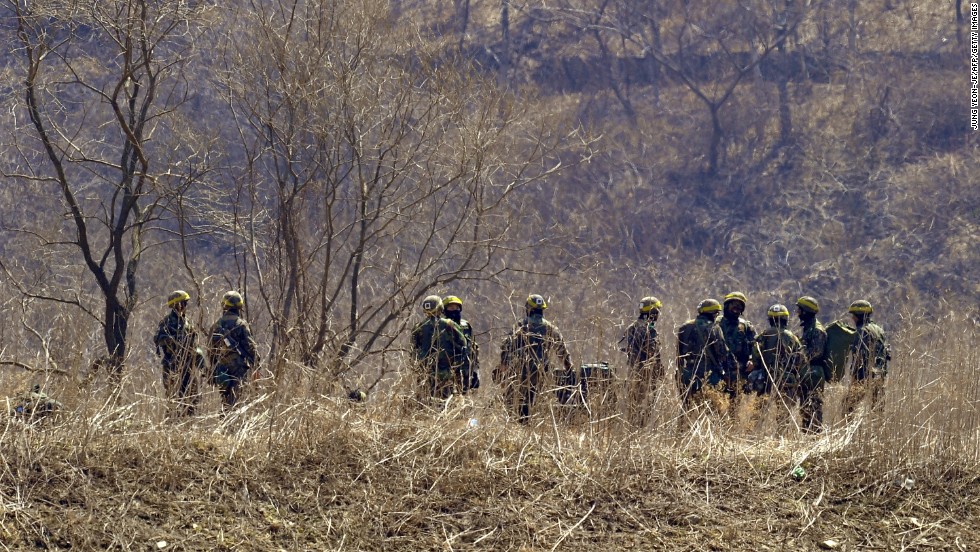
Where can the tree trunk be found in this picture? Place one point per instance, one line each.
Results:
(504, 75)
(715, 145)
(115, 331)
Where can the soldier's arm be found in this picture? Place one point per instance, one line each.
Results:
(681, 347)
(657, 357)
(722, 351)
(474, 348)
(630, 337)
(756, 356)
(817, 346)
(460, 343)
(250, 346)
(560, 349)
(159, 337)
(506, 350)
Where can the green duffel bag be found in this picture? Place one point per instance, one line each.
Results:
(840, 336)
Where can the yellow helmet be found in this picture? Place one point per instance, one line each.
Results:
(233, 300)
(452, 300)
(860, 307)
(535, 301)
(432, 304)
(648, 304)
(736, 296)
(178, 296)
(808, 304)
(709, 305)
(778, 311)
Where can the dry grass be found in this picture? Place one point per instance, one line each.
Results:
(302, 473)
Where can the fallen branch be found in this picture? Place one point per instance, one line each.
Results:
(31, 368)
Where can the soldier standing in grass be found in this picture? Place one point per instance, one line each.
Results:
(643, 356)
(740, 338)
(183, 362)
(702, 355)
(439, 347)
(778, 358)
(467, 374)
(232, 350)
(816, 370)
(868, 357)
(526, 356)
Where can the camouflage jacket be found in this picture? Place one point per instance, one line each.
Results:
(231, 342)
(472, 349)
(740, 337)
(780, 352)
(701, 348)
(642, 343)
(814, 341)
(532, 343)
(175, 338)
(869, 352)
(438, 343)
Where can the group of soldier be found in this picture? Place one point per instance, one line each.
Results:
(229, 350)
(726, 355)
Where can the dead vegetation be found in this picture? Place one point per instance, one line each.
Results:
(302, 472)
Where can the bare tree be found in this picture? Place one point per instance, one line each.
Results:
(374, 170)
(100, 82)
(710, 48)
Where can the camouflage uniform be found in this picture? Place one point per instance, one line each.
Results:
(232, 354)
(740, 337)
(869, 356)
(439, 347)
(643, 356)
(468, 373)
(183, 362)
(816, 372)
(870, 352)
(702, 356)
(525, 355)
(777, 358)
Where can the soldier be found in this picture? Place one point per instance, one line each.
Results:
(232, 350)
(643, 354)
(183, 362)
(777, 357)
(32, 405)
(816, 370)
(439, 348)
(702, 355)
(740, 338)
(526, 354)
(868, 356)
(468, 373)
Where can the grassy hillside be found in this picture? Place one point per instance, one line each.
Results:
(338, 162)
(294, 470)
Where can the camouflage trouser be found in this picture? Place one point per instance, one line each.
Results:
(181, 383)
(873, 387)
(811, 408)
(439, 382)
(810, 395)
(641, 387)
(690, 381)
(466, 377)
(520, 390)
(228, 376)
